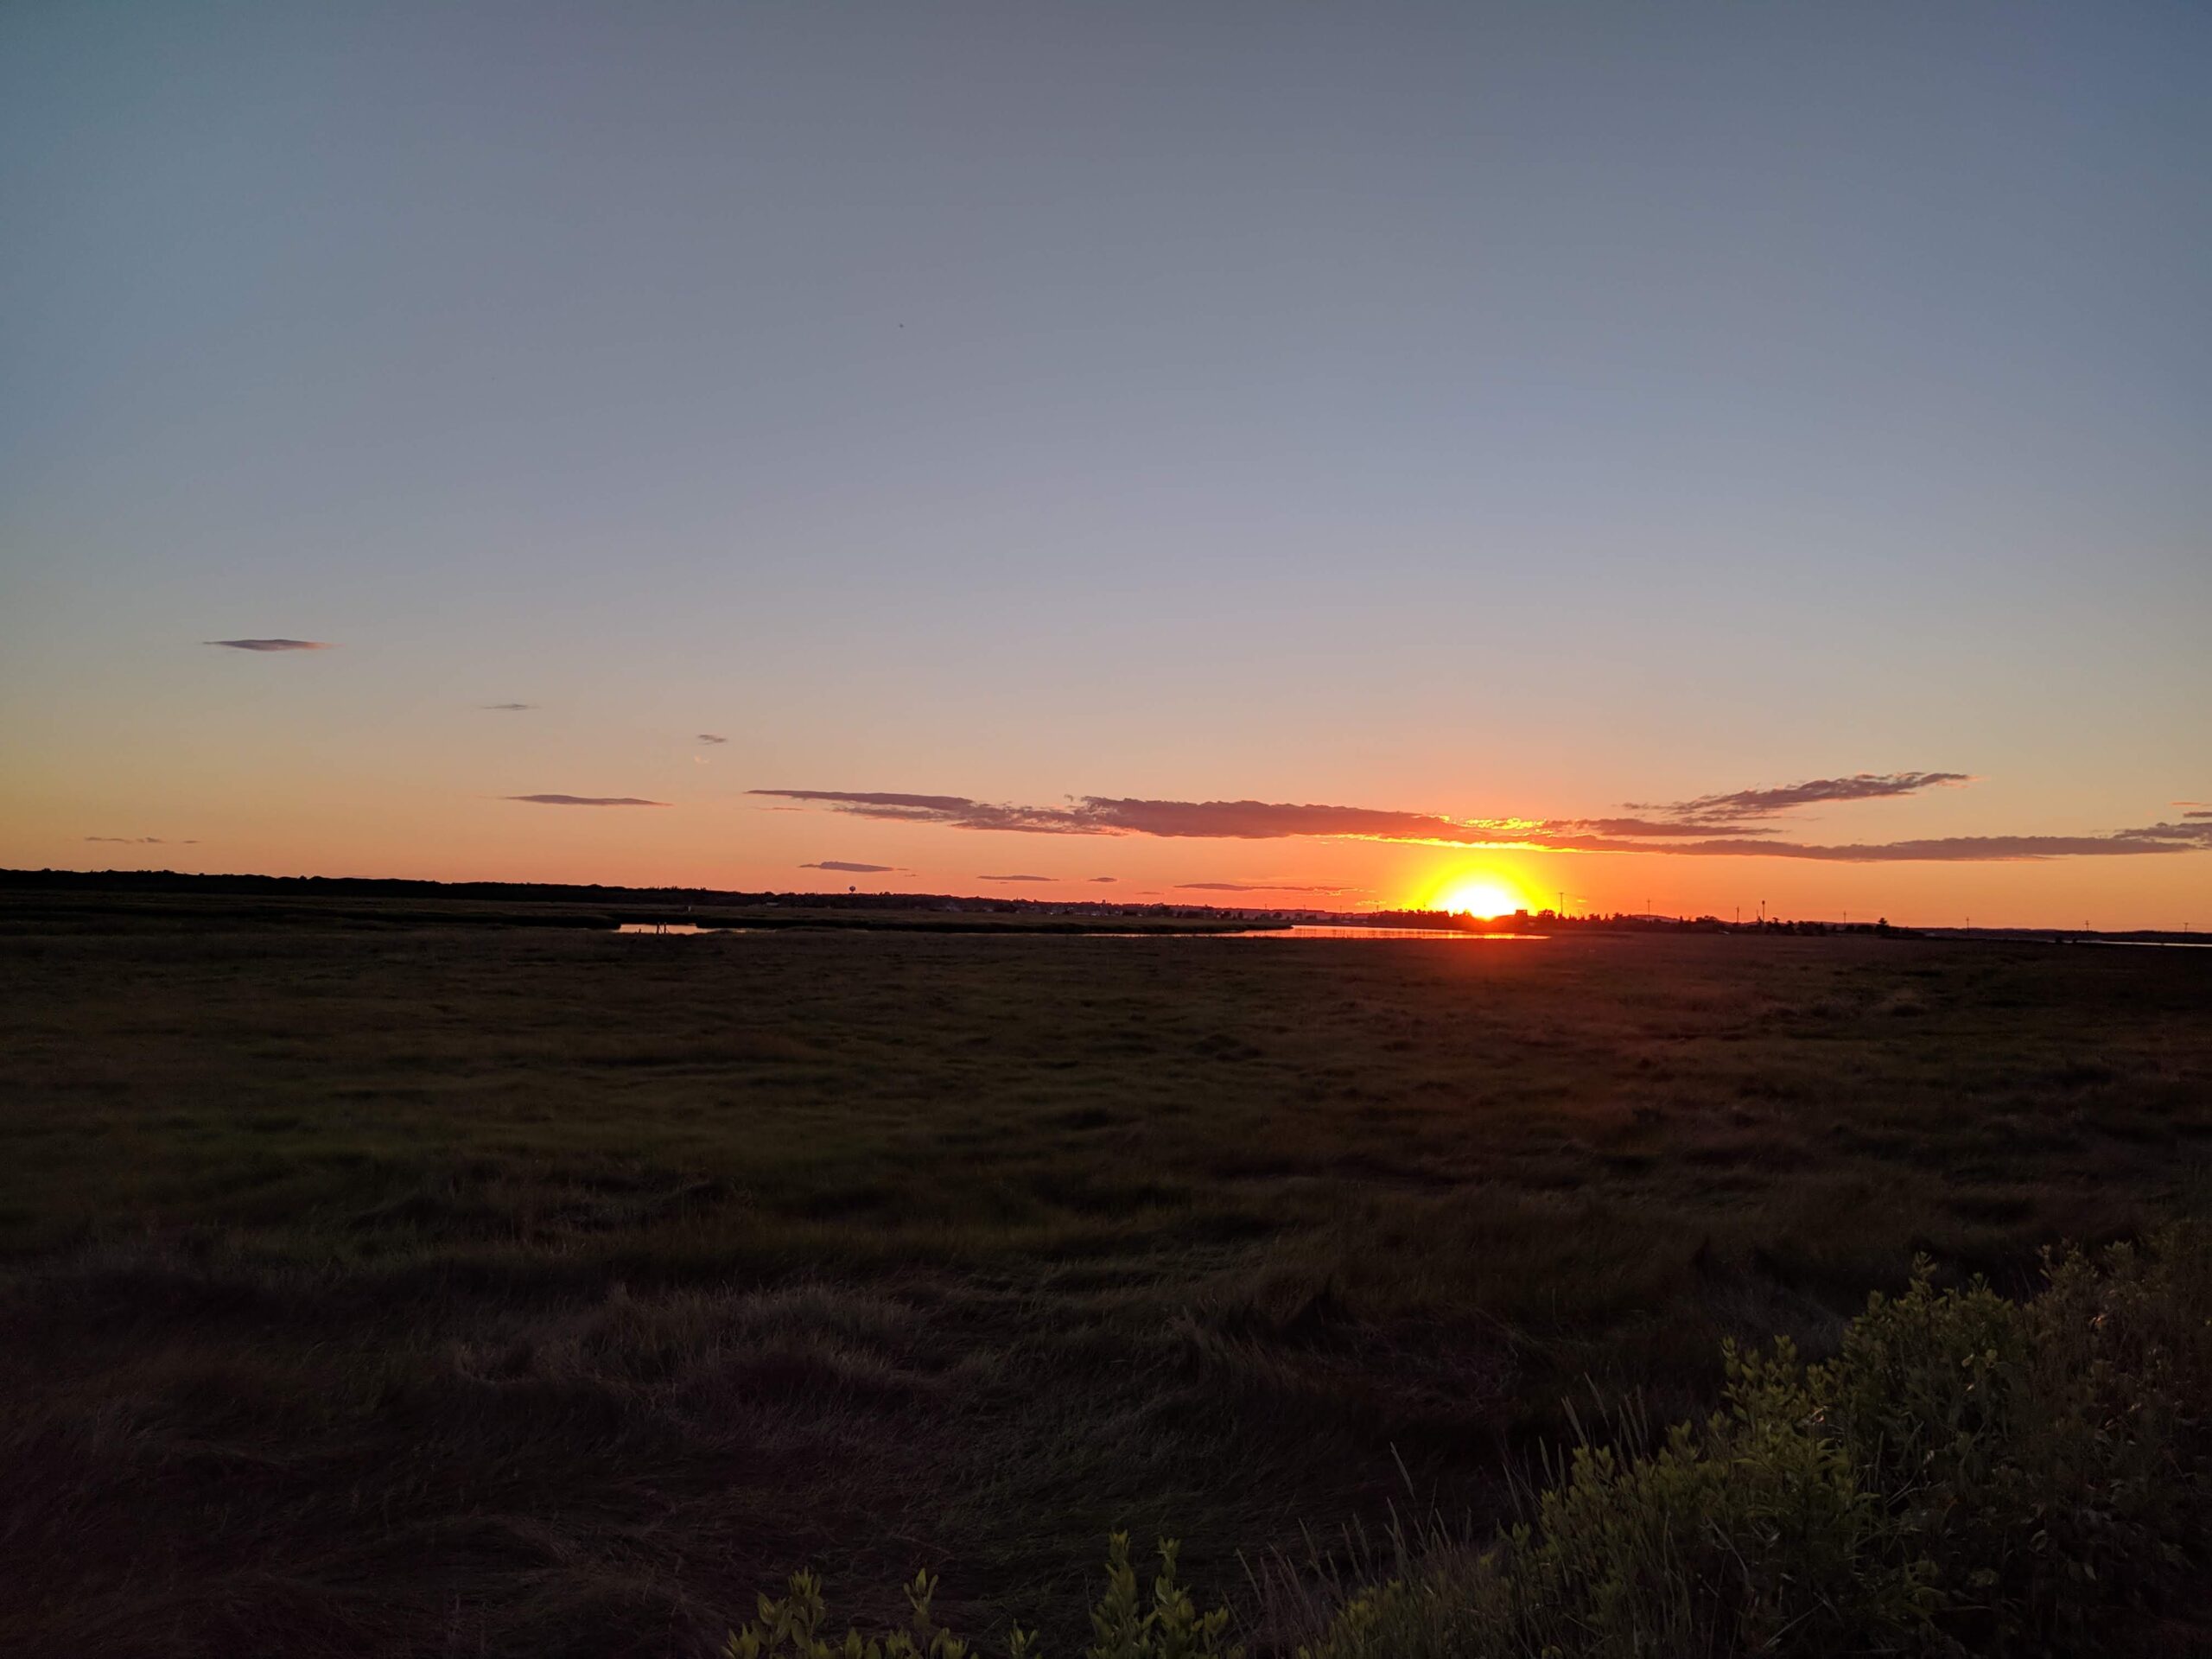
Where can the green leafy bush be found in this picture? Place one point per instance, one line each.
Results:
(1967, 1475)
(791, 1626)
(1124, 1624)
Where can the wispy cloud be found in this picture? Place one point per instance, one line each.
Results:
(1105, 878)
(1720, 825)
(710, 737)
(507, 708)
(1948, 849)
(1017, 878)
(1256, 887)
(844, 868)
(1756, 803)
(142, 841)
(956, 811)
(585, 800)
(272, 645)
(1653, 828)
(1093, 815)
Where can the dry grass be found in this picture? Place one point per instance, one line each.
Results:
(495, 1290)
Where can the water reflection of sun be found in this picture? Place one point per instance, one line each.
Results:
(1478, 895)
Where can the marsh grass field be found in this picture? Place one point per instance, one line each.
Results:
(375, 1283)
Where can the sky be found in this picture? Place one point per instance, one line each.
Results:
(1665, 458)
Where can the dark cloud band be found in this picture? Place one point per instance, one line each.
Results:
(1707, 826)
(585, 800)
(1753, 804)
(1254, 887)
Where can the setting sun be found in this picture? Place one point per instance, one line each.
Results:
(1481, 896)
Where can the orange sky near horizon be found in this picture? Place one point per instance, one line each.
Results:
(712, 834)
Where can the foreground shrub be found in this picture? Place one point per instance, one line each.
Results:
(1968, 1475)
(1123, 1625)
(2050, 1458)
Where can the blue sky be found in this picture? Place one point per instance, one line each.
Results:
(1492, 411)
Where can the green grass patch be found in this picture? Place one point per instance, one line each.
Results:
(521, 1291)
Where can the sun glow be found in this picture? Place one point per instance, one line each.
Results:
(1477, 895)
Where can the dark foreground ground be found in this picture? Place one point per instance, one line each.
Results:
(479, 1290)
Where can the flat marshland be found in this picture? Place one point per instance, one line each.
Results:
(497, 1290)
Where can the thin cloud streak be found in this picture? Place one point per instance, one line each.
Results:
(1654, 827)
(1256, 887)
(1017, 878)
(1946, 849)
(1093, 815)
(846, 868)
(272, 645)
(142, 841)
(955, 811)
(1756, 803)
(584, 800)
(709, 737)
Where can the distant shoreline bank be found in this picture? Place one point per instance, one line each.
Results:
(598, 906)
